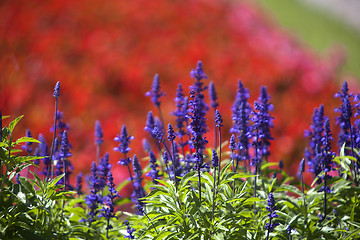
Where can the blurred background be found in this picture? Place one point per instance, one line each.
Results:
(105, 54)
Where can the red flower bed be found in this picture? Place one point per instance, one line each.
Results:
(106, 53)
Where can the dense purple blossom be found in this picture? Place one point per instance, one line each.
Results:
(129, 230)
(94, 198)
(326, 156)
(241, 122)
(107, 211)
(150, 124)
(155, 93)
(158, 134)
(262, 120)
(139, 191)
(232, 144)
(56, 93)
(103, 169)
(153, 173)
(302, 166)
(213, 95)
(272, 213)
(215, 159)
(61, 126)
(166, 157)
(315, 135)
(98, 133)
(123, 147)
(218, 119)
(78, 186)
(171, 133)
(346, 112)
(181, 113)
(44, 151)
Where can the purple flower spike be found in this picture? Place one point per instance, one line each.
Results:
(150, 123)
(98, 133)
(272, 214)
(171, 133)
(129, 230)
(181, 111)
(155, 93)
(124, 141)
(166, 157)
(213, 95)
(218, 119)
(215, 159)
(79, 180)
(64, 149)
(153, 173)
(56, 93)
(302, 166)
(281, 164)
(198, 73)
(232, 144)
(102, 170)
(158, 134)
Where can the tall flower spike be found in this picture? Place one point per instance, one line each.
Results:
(98, 133)
(272, 214)
(158, 134)
(171, 133)
(107, 210)
(150, 124)
(198, 73)
(181, 112)
(94, 198)
(139, 191)
(129, 230)
(124, 141)
(218, 119)
(153, 173)
(103, 169)
(78, 186)
(215, 159)
(302, 166)
(213, 95)
(155, 93)
(56, 93)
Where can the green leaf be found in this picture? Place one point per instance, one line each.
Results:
(14, 122)
(27, 139)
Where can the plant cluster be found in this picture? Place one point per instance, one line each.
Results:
(193, 189)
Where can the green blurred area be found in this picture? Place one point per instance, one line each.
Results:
(317, 29)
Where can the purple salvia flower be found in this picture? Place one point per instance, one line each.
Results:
(107, 211)
(213, 95)
(263, 121)
(181, 112)
(28, 145)
(158, 134)
(94, 198)
(146, 145)
(153, 173)
(56, 93)
(60, 124)
(315, 134)
(302, 166)
(218, 119)
(129, 230)
(215, 159)
(155, 93)
(78, 186)
(281, 164)
(171, 133)
(139, 191)
(150, 124)
(346, 112)
(232, 144)
(198, 73)
(326, 155)
(44, 151)
(166, 157)
(241, 126)
(102, 170)
(98, 133)
(271, 208)
(123, 147)
(63, 155)
(124, 141)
